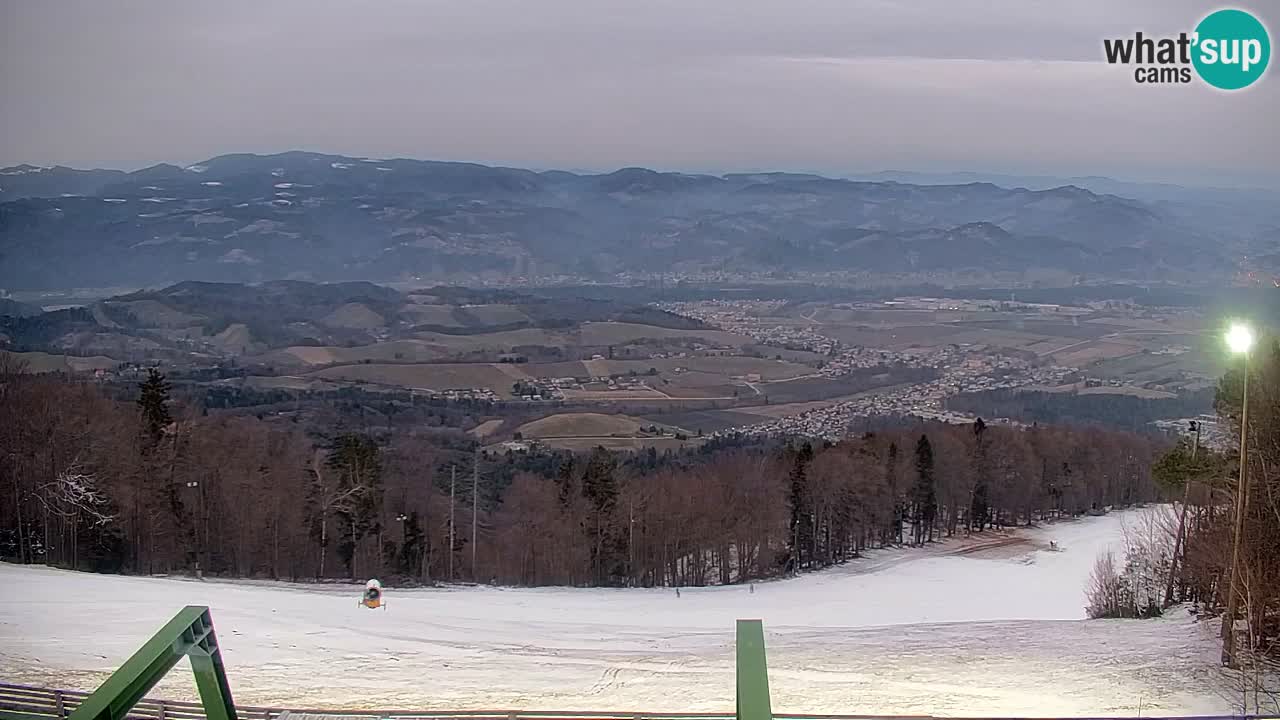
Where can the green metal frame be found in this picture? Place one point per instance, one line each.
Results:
(753, 673)
(189, 634)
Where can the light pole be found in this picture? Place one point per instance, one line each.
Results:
(195, 484)
(403, 519)
(1239, 340)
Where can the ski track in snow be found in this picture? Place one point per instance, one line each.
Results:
(951, 629)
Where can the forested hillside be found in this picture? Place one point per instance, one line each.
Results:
(147, 485)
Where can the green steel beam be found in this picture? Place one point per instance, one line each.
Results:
(753, 673)
(189, 633)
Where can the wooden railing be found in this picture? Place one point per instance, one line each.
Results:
(42, 703)
(45, 703)
(22, 702)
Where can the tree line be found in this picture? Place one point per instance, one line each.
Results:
(153, 485)
(1199, 545)
(1109, 409)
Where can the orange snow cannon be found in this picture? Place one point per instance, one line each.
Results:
(372, 597)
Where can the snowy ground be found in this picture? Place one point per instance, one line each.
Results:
(945, 631)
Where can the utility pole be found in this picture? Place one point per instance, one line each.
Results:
(201, 540)
(453, 491)
(475, 505)
(1178, 540)
(1242, 506)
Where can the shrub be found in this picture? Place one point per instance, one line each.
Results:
(1137, 589)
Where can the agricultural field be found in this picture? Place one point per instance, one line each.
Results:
(38, 362)
(1138, 345)
(1081, 389)
(1084, 354)
(582, 425)
(596, 334)
(602, 394)
(702, 385)
(697, 378)
(428, 346)
(898, 338)
(567, 369)
(283, 382)
(1144, 368)
(723, 365)
(438, 315)
(708, 421)
(354, 315)
(661, 444)
(392, 351)
(491, 314)
(430, 376)
(485, 429)
(582, 431)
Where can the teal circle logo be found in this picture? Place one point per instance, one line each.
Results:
(1232, 49)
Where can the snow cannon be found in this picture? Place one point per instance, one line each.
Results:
(372, 597)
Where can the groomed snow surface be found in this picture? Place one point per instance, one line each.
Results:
(943, 630)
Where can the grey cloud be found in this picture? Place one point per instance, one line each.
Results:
(831, 85)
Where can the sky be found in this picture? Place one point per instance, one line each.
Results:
(832, 86)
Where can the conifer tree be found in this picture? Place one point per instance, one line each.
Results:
(153, 405)
(924, 495)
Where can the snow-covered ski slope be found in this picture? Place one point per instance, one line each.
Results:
(937, 631)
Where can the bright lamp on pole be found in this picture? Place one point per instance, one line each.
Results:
(1239, 338)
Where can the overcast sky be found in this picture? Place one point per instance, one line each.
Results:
(837, 86)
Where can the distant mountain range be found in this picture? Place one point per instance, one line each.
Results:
(297, 215)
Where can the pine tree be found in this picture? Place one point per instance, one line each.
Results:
(600, 488)
(153, 405)
(359, 465)
(564, 480)
(801, 528)
(157, 504)
(980, 505)
(891, 481)
(924, 495)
